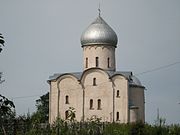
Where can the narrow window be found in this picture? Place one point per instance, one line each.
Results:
(67, 100)
(86, 62)
(117, 116)
(66, 114)
(99, 104)
(97, 61)
(94, 82)
(117, 93)
(108, 62)
(91, 104)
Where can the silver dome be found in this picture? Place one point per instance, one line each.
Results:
(99, 32)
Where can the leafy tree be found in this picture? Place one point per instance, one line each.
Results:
(6, 105)
(1, 41)
(6, 112)
(42, 113)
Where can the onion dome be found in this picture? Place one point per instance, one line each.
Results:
(99, 33)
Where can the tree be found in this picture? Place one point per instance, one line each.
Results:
(6, 111)
(1, 41)
(6, 105)
(42, 113)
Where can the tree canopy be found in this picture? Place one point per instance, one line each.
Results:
(42, 113)
(1, 42)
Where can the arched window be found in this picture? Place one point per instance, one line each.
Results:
(117, 95)
(67, 100)
(66, 114)
(86, 62)
(91, 104)
(108, 62)
(94, 82)
(97, 61)
(117, 116)
(99, 104)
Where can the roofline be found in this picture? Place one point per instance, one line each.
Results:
(106, 71)
(92, 69)
(121, 75)
(61, 76)
(138, 86)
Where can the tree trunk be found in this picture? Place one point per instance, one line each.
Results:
(4, 131)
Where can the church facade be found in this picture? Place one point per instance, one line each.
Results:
(99, 90)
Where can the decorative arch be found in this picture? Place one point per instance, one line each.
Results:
(115, 76)
(119, 75)
(90, 70)
(66, 75)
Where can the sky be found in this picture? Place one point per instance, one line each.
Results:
(43, 37)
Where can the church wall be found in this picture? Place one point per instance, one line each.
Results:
(101, 91)
(121, 100)
(137, 99)
(134, 115)
(71, 95)
(53, 102)
(103, 53)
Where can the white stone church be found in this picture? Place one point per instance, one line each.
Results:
(99, 90)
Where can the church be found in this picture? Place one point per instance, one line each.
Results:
(99, 90)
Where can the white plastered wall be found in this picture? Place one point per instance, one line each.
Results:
(137, 100)
(70, 86)
(101, 51)
(121, 102)
(53, 102)
(103, 91)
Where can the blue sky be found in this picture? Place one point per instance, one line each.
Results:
(43, 37)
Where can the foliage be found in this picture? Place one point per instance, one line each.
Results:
(36, 124)
(116, 129)
(39, 120)
(6, 106)
(6, 113)
(93, 126)
(71, 115)
(42, 113)
(22, 124)
(1, 41)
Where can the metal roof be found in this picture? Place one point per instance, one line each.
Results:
(57, 75)
(132, 79)
(99, 33)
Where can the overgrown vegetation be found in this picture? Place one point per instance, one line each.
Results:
(37, 123)
(25, 125)
(92, 127)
